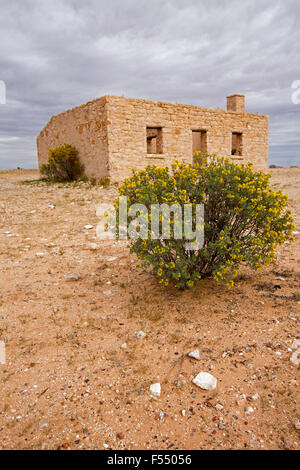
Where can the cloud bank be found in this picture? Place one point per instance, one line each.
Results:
(56, 55)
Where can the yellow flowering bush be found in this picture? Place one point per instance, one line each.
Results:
(63, 164)
(244, 220)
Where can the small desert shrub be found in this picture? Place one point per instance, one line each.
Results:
(63, 164)
(244, 220)
(105, 182)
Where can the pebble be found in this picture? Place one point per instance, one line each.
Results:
(205, 381)
(110, 293)
(155, 389)
(249, 410)
(44, 426)
(139, 334)
(296, 344)
(195, 354)
(94, 246)
(74, 277)
(295, 357)
(88, 227)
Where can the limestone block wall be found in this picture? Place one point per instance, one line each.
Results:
(114, 134)
(85, 127)
(129, 118)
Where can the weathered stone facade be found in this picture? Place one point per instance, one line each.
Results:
(114, 134)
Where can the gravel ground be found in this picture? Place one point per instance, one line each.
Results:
(76, 377)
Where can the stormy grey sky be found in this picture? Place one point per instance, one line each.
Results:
(60, 53)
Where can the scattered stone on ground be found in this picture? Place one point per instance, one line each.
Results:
(65, 364)
(140, 334)
(295, 357)
(195, 354)
(155, 389)
(205, 381)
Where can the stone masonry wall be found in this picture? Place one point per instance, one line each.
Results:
(85, 127)
(111, 134)
(128, 120)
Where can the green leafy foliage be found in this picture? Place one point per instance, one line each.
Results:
(245, 220)
(63, 164)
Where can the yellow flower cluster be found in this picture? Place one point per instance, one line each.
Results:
(244, 219)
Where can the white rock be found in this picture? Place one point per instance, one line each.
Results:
(195, 354)
(219, 407)
(183, 412)
(295, 357)
(297, 425)
(139, 334)
(155, 389)
(94, 246)
(74, 277)
(110, 293)
(112, 258)
(88, 227)
(296, 344)
(44, 426)
(249, 410)
(39, 253)
(124, 346)
(205, 381)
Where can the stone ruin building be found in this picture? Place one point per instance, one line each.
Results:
(115, 134)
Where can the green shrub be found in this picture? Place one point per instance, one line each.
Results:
(200, 158)
(244, 220)
(63, 164)
(105, 182)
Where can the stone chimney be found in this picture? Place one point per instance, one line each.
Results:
(236, 103)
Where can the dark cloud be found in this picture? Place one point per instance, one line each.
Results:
(58, 54)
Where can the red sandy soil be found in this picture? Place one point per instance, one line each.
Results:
(67, 382)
